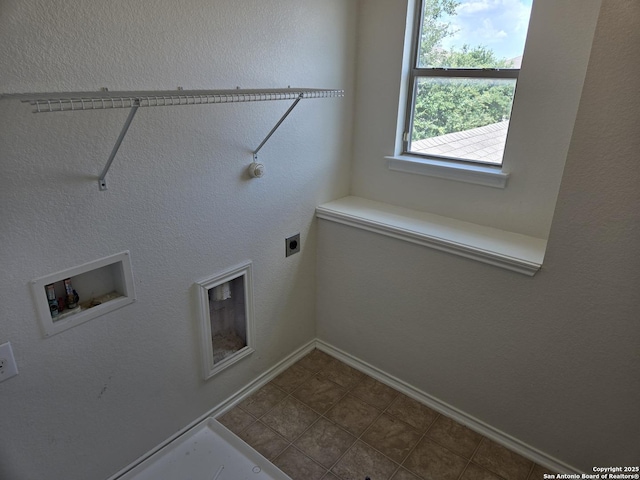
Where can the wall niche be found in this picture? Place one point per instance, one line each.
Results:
(74, 296)
(226, 318)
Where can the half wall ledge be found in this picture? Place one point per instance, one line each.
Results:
(511, 251)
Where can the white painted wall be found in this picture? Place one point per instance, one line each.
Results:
(92, 399)
(544, 110)
(551, 360)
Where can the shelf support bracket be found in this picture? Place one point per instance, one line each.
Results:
(102, 183)
(286, 114)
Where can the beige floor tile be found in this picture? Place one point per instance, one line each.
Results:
(374, 393)
(392, 437)
(455, 437)
(363, 461)
(263, 400)
(290, 418)
(502, 461)
(316, 361)
(433, 462)
(330, 476)
(283, 412)
(403, 474)
(291, 378)
(319, 393)
(474, 472)
(412, 412)
(325, 442)
(538, 472)
(342, 374)
(298, 466)
(236, 420)
(264, 440)
(353, 414)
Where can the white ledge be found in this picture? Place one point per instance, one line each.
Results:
(486, 175)
(512, 251)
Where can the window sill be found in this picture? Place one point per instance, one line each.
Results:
(511, 251)
(486, 175)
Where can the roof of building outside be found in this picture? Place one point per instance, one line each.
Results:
(483, 144)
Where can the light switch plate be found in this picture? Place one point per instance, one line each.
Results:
(8, 367)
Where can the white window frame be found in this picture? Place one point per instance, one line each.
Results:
(416, 73)
(550, 85)
(469, 171)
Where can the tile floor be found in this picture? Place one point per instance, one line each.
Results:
(323, 420)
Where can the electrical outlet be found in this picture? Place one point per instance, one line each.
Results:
(292, 244)
(8, 367)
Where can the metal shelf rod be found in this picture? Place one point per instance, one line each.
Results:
(102, 183)
(106, 100)
(286, 114)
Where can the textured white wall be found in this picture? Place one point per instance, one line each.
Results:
(90, 400)
(552, 360)
(543, 114)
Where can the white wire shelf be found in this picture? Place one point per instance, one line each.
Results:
(79, 101)
(106, 100)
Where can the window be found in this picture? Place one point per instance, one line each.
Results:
(466, 57)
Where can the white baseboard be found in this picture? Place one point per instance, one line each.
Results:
(229, 403)
(441, 407)
(465, 419)
(259, 382)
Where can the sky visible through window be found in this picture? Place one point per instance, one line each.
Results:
(466, 117)
(499, 25)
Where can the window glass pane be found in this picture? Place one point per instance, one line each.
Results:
(473, 33)
(464, 118)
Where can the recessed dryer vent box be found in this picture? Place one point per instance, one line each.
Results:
(79, 294)
(226, 318)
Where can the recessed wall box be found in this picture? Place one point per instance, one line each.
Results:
(79, 294)
(226, 318)
(292, 245)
